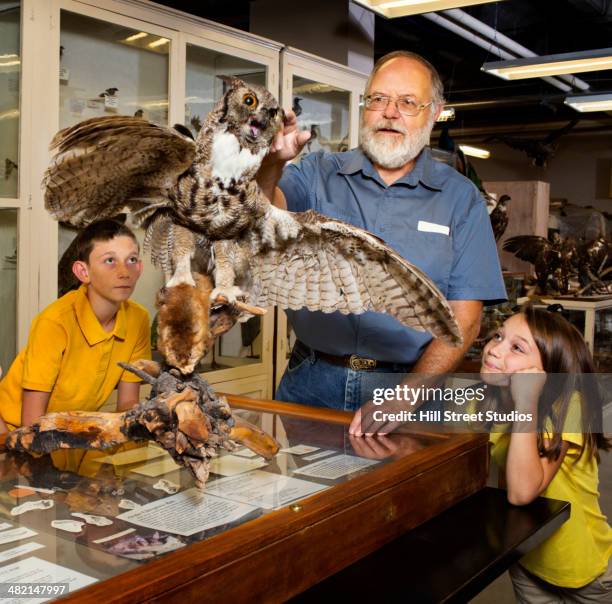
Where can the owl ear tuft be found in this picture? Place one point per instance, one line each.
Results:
(231, 81)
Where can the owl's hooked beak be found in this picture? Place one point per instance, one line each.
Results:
(265, 123)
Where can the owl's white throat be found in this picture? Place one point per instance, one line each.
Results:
(229, 160)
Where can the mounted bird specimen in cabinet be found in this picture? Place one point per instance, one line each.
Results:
(222, 246)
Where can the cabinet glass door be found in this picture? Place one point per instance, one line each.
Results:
(8, 286)
(10, 70)
(204, 88)
(243, 344)
(324, 110)
(10, 76)
(109, 69)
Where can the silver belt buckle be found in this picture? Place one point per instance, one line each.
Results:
(358, 363)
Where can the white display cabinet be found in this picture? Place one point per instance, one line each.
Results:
(327, 97)
(82, 59)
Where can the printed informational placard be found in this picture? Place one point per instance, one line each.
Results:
(264, 489)
(16, 534)
(19, 550)
(299, 449)
(335, 467)
(187, 513)
(36, 570)
(230, 465)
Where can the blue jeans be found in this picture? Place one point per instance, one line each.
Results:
(312, 381)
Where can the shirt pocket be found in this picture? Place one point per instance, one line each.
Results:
(430, 252)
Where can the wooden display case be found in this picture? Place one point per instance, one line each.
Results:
(269, 555)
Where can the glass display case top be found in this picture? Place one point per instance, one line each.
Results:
(92, 515)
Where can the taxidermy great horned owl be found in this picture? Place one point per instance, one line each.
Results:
(203, 210)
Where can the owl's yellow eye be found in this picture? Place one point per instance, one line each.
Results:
(250, 100)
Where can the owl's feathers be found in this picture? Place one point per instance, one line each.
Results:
(201, 199)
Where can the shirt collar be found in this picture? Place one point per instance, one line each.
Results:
(424, 170)
(88, 322)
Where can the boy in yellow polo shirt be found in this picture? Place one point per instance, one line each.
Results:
(70, 361)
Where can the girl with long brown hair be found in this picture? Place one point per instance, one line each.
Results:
(541, 368)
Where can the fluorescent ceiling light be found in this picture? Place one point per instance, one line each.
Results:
(401, 8)
(158, 42)
(475, 151)
(447, 114)
(550, 65)
(137, 36)
(590, 102)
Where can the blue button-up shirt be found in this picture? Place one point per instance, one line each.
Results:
(433, 216)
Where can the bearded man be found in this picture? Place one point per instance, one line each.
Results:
(425, 210)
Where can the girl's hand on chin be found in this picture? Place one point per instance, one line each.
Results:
(526, 386)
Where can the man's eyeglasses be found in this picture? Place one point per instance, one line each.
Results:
(405, 105)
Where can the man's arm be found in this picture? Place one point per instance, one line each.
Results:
(128, 394)
(287, 145)
(438, 358)
(33, 405)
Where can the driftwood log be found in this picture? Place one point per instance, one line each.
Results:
(183, 414)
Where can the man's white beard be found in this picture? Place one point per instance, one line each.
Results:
(387, 151)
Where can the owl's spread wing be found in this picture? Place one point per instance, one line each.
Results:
(105, 164)
(527, 247)
(333, 266)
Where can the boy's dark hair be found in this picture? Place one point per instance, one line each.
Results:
(81, 247)
(103, 230)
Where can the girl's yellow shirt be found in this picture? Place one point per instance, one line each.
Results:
(71, 356)
(580, 550)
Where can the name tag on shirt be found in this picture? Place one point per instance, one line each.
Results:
(432, 227)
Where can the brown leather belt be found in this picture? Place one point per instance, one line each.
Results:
(353, 361)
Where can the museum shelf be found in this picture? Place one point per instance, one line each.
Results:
(273, 514)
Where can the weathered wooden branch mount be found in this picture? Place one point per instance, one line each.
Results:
(182, 414)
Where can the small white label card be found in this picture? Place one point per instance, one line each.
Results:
(432, 227)
(335, 467)
(36, 570)
(264, 489)
(187, 513)
(16, 534)
(230, 465)
(318, 455)
(299, 449)
(245, 453)
(19, 550)
(5, 525)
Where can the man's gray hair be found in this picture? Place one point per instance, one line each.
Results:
(437, 88)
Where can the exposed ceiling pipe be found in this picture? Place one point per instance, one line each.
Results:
(499, 38)
(486, 44)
